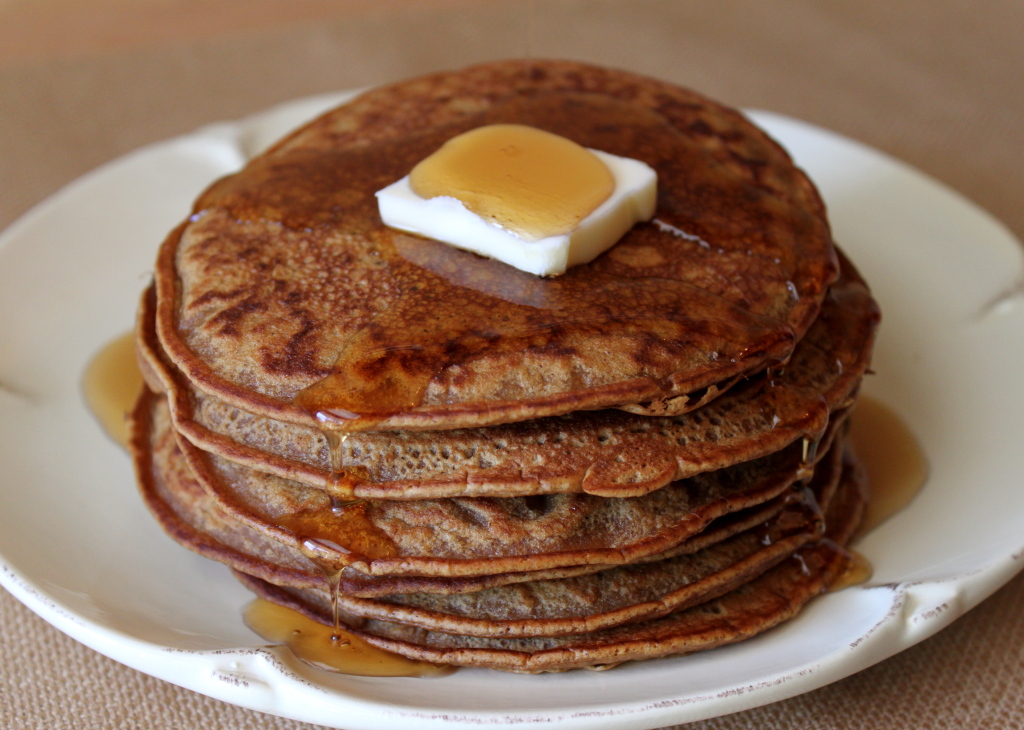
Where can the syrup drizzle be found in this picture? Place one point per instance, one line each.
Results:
(897, 470)
(334, 539)
(808, 458)
(111, 385)
(344, 478)
(339, 536)
(336, 443)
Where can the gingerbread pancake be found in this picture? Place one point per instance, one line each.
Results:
(536, 607)
(773, 597)
(608, 452)
(467, 464)
(469, 536)
(284, 294)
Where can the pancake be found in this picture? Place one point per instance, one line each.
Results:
(545, 607)
(467, 464)
(285, 296)
(610, 532)
(774, 596)
(608, 453)
(470, 536)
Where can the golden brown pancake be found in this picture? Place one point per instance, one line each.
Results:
(471, 536)
(544, 607)
(609, 452)
(284, 294)
(755, 606)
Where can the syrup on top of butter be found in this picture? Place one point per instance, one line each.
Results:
(529, 198)
(530, 182)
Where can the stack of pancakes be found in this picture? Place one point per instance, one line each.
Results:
(477, 466)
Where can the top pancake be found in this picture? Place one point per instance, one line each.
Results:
(285, 295)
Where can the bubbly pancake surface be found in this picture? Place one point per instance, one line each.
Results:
(284, 294)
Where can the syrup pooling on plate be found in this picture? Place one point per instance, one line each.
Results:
(330, 648)
(858, 570)
(896, 466)
(111, 385)
(896, 470)
(336, 537)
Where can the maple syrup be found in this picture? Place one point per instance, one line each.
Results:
(111, 385)
(896, 466)
(858, 570)
(896, 471)
(336, 445)
(339, 536)
(342, 481)
(333, 539)
(331, 648)
(533, 183)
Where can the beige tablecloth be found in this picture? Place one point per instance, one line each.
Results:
(935, 83)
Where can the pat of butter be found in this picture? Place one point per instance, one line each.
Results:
(448, 219)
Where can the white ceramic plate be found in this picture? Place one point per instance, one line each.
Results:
(79, 548)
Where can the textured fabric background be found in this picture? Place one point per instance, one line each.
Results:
(936, 83)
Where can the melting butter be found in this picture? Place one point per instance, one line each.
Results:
(529, 198)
